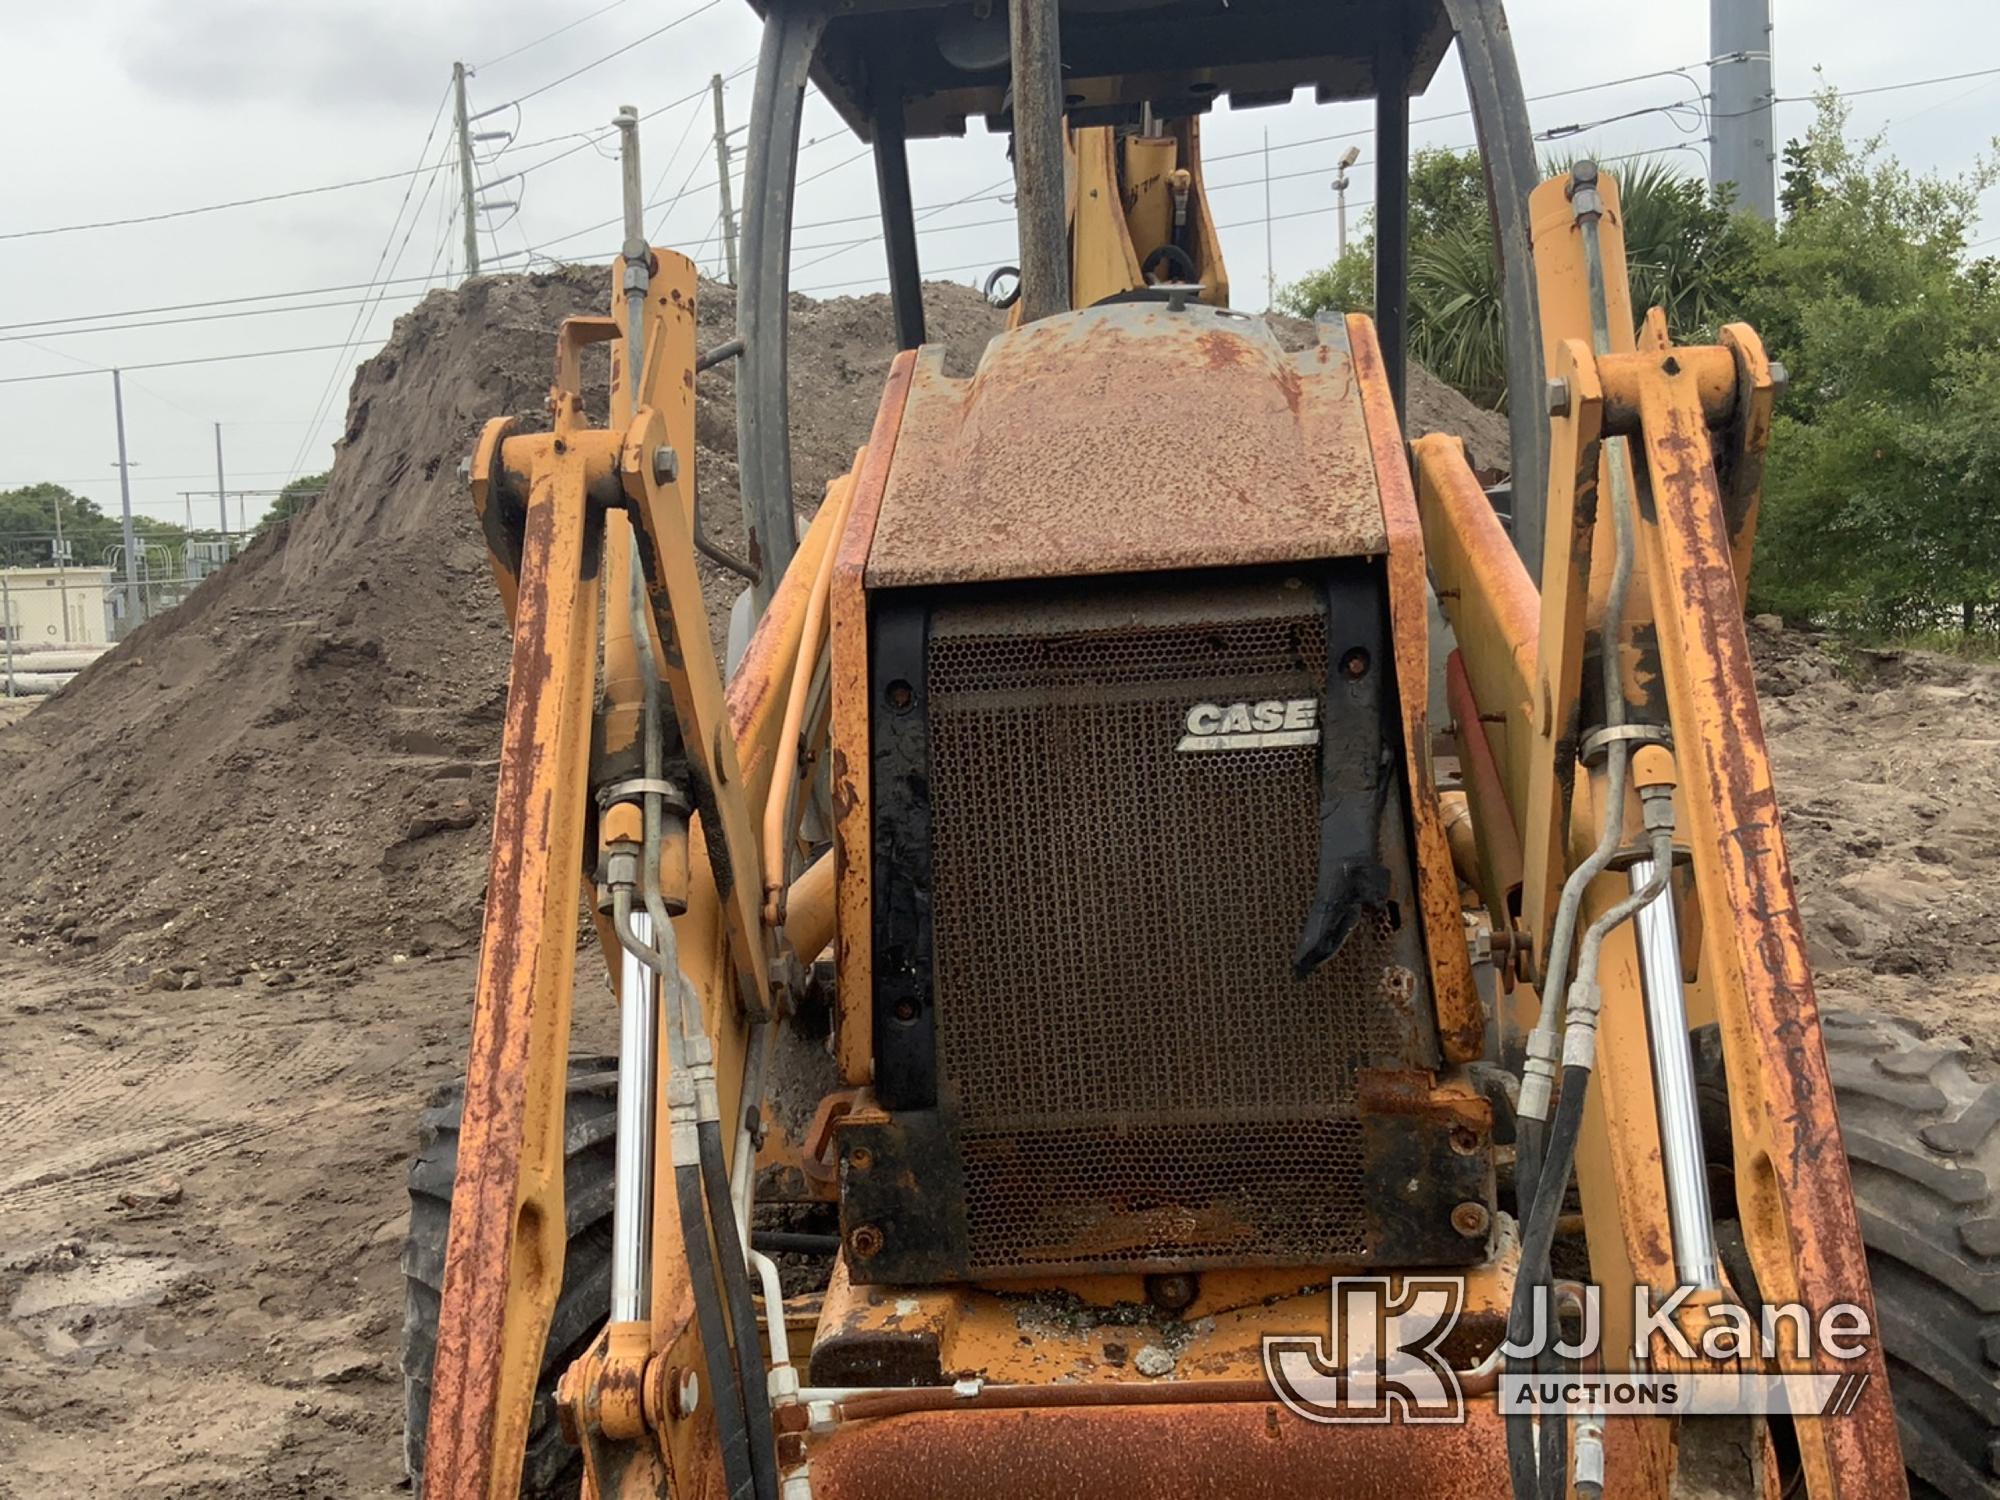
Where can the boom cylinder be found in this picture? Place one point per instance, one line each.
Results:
(632, 1205)
(1681, 1156)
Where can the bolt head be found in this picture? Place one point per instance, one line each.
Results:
(1471, 1220)
(865, 1242)
(1559, 398)
(687, 1394)
(666, 464)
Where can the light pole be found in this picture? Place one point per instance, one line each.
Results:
(1340, 195)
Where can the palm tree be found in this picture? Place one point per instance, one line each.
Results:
(1684, 251)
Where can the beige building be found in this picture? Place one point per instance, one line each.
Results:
(52, 606)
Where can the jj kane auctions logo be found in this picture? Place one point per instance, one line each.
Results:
(1384, 1359)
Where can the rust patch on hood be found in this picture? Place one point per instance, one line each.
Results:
(1128, 438)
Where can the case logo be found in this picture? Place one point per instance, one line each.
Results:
(1270, 724)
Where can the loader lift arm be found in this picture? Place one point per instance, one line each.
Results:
(1683, 431)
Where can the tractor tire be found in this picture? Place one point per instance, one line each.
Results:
(1924, 1154)
(552, 1467)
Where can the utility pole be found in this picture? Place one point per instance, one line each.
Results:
(62, 566)
(221, 495)
(7, 629)
(722, 176)
(1743, 149)
(125, 496)
(1348, 159)
(465, 184)
(1270, 259)
(1036, 44)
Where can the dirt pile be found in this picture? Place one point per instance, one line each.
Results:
(292, 772)
(1887, 766)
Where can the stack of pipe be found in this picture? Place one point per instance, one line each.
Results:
(36, 670)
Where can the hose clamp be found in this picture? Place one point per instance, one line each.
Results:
(1598, 744)
(634, 788)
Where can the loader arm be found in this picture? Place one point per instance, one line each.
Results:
(564, 512)
(1683, 430)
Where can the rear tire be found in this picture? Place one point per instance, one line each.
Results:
(551, 1467)
(1924, 1154)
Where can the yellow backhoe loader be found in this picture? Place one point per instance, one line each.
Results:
(1312, 997)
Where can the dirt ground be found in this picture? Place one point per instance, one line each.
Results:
(249, 852)
(202, 1204)
(202, 1207)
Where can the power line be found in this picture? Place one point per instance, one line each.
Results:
(210, 208)
(335, 187)
(687, 130)
(1461, 114)
(536, 249)
(170, 364)
(1889, 88)
(381, 258)
(550, 36)
(15, 484)
(679, 20)
(1566, 132)
(377, 287)
(586, 140)
(250, 312)
(140, 312)
(834, 286)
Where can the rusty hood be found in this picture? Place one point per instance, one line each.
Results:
(1129, 438)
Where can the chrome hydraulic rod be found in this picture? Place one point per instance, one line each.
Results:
(637, 255)
(638, 1070)
(1681, 1156)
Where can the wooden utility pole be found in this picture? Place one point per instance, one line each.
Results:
(125, 496)
(1038, 157)
(465, 183)
(722, 177)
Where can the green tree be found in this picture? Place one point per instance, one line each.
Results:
(1882, 495)
(32, 516)
(294, 499)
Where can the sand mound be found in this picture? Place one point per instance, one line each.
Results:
(293, 771)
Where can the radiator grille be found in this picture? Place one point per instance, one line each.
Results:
(1137, 1076)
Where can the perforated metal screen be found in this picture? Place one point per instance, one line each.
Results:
(1136, 1074)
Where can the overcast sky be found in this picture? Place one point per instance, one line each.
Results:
(140, 107)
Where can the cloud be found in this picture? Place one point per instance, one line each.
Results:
(323, 54)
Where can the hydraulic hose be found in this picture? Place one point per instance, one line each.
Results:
(722, 1375)
(735, 1376)
(1538, 1236)
(1544, 1160)
(742, 1311)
